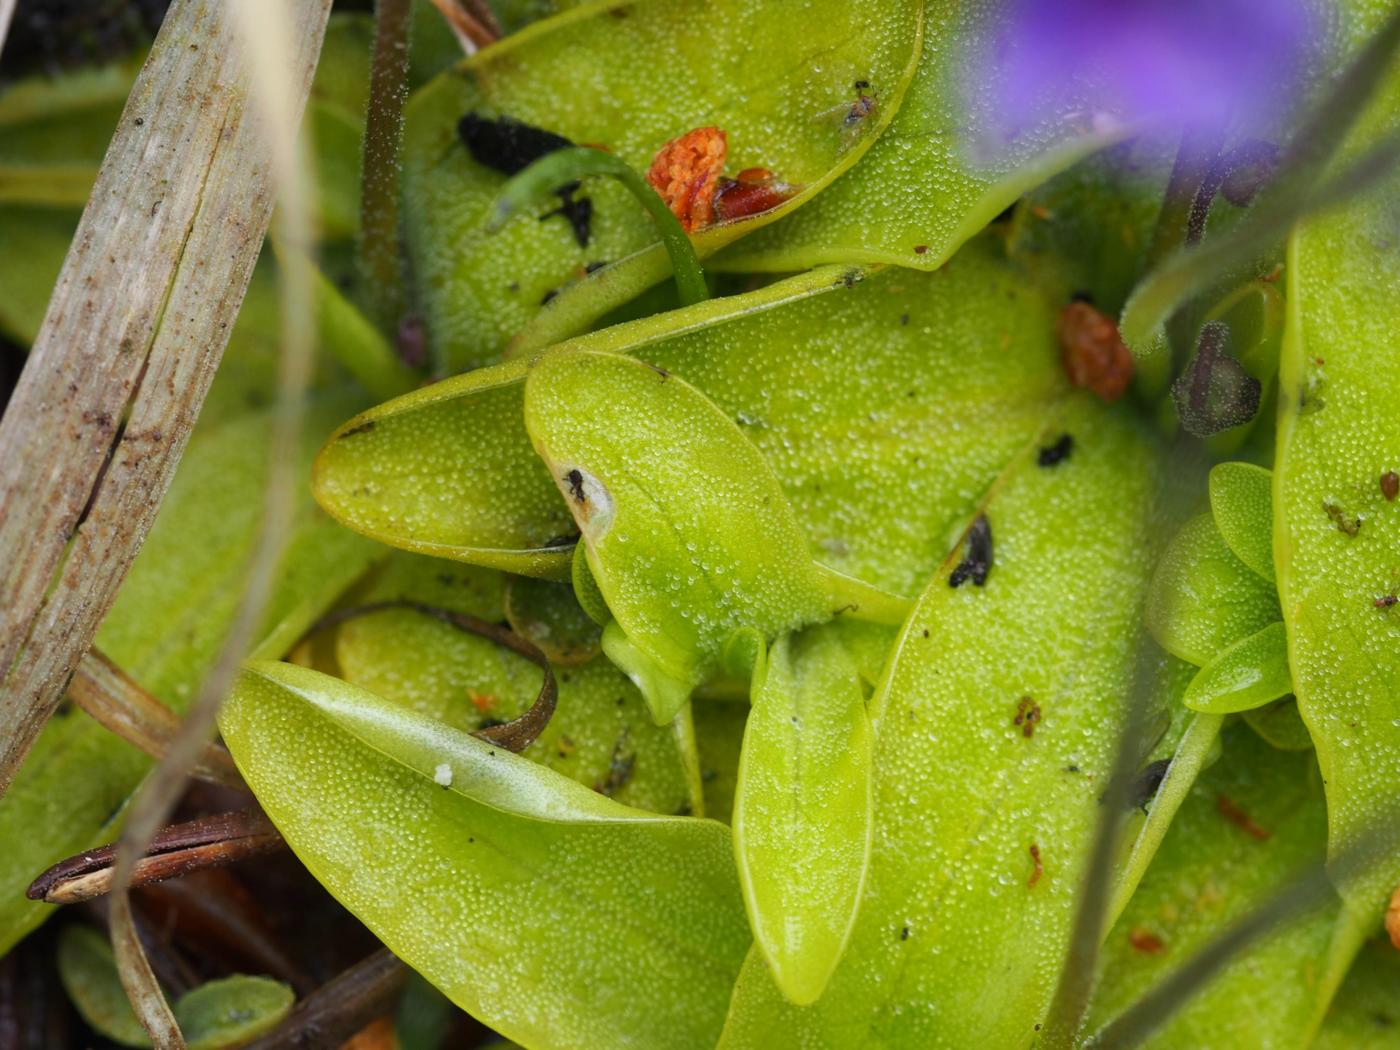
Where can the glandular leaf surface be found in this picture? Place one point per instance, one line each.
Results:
(630, 78)
(601, 733)
(993, 734)
(802, 818)
(688, 533)
(555, 915)
(927, 383)
(1336, 533)
(936, 177)
(1250, 824)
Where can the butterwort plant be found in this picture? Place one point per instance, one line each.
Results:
(881, 531)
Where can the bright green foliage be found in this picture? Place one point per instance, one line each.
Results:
(498, 509)
(688, 533)
(631, 80)
(1203, 597)
(1210, 872)
(218, 1014)
(555, 915)
(1213, 600)
(954, 374)
(1242, 504)
(1280, 724)
(931, 182)
(802, 817)
(1247, 674)
(601, 734)
(1364, 1011)
(1336, 534)
(958, 939)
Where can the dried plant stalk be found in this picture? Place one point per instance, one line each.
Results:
(134, 331)
(112, 699)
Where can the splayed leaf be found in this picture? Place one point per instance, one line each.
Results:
(525, 897)
(955, 372)
(623, 77)
(980, 826)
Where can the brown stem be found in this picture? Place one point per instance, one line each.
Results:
(515, 735)
(177, 850)
(118, 703)
(328, 1017)
(379, 170)
(471, 22)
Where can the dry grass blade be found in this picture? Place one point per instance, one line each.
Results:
(7, 13)
(178, 850)
(135, 329)
(276, 47)
(112, 699)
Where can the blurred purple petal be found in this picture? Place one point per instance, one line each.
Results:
(1189, 63)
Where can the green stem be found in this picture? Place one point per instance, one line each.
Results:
(563, 166)
(379, 167)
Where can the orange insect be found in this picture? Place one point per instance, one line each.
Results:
(686, 171)
(1092, 351)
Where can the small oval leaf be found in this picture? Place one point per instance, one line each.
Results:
(1242, 503)
(1203, 598)
(1247, 675)
(802, 816)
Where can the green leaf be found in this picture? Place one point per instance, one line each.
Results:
(224, 1013)
(1280, 724)
(392, 474)
(802, 819)
(688, 534)
(601, 734)
(780, 87)
(954, 373)
(1244, 676)
(929, 184)
(556, 916)
(232, 1011)
(1210, 872)
(1203, 598)
(1242, 503)
(1336, 533)
(89, 975)
(1364, 1013)
(953, 904)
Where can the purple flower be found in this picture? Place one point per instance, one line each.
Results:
(1207, 64)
